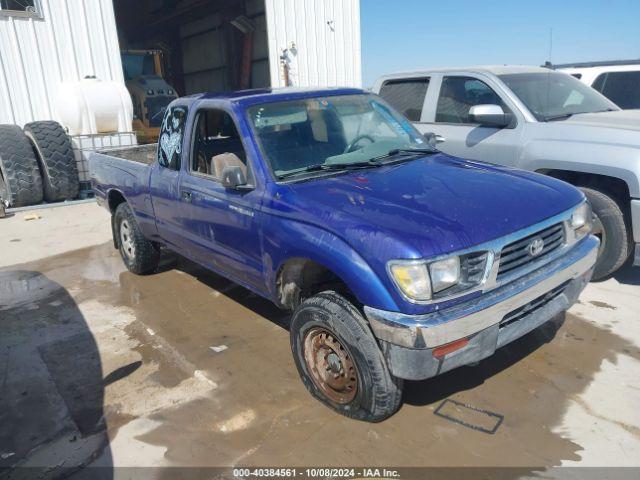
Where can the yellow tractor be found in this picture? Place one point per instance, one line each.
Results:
(150, 93)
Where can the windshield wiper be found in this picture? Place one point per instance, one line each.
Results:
(317, 167)
(374, 162)
(567, 115)
(397, 151)
(419, 151)
(561, 116)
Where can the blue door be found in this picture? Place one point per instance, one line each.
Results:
(223, 225)
(165, 177)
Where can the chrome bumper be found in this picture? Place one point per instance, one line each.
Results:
(463, 320)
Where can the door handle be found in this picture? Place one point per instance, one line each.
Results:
(185, 196)
(439, 138)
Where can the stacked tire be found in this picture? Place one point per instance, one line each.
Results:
(20, 180)
(37, 164)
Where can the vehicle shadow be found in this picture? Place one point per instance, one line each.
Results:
(478, 134)
(628, 274)
(235, 292)
(51, 384)
(438, 388)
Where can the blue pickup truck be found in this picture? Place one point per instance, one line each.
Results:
(397, 261)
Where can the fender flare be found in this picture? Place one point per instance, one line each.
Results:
(324, 248)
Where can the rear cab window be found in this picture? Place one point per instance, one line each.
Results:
(171, 136)
(406, 95)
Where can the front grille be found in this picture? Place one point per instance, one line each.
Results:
(472, 271)
(473, 267)
(516, 255)
(532, 306)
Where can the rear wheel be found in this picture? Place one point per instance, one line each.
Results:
(610, 227)
(139, 254)
(339, 360)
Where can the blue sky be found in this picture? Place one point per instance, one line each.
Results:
(409, 34)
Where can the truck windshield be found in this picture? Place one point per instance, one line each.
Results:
(137, 64)
(330, 133)
(553, 95)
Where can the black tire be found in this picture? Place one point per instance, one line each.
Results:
(377, 394)
(4, 193)
(610, 226)
(19, 168)
(56, 160)
(140, 255)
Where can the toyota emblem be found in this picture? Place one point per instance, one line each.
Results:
(535, 247)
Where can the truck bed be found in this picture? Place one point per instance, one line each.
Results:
(140, 153)
(125, 170)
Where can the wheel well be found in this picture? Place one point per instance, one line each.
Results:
(301, 278)
(616, 187)
(115, 199)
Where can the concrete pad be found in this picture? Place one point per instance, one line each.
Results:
(143, 387)
(56, 230)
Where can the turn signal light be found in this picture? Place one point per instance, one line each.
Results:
(443, 350)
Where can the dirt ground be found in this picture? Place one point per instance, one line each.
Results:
(183, 368)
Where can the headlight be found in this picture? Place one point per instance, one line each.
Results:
(582, 220)
(422, 280)
(412, 278)
(444, 273)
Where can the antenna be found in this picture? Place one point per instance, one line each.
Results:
(550, 45)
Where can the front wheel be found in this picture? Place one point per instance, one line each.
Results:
(339, 360)
(610, 227)
(139, 254)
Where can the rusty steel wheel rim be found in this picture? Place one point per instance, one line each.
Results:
(330, 365)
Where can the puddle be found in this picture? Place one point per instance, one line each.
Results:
(255, 411)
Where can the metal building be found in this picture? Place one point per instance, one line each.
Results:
(212, 44)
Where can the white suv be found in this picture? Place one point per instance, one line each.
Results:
(619, 81)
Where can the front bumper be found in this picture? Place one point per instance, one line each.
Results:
(488, 322)
(635, 224)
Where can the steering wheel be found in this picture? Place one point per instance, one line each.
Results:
(355, 141)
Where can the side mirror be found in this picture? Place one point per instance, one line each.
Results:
(233, 177)
(490, 116)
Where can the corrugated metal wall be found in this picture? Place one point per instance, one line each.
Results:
(326, 35)
(78, 38)
(73, 39)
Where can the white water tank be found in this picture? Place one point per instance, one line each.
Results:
(92, 106)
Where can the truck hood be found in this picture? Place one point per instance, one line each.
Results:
(621, 119)
(426, 207)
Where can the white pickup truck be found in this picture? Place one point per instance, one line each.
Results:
(541, 120)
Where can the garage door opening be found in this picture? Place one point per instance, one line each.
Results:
(172, 48)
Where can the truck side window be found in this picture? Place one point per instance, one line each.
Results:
(216, 144)
(459, 94)
(406, 96)
(171, 134)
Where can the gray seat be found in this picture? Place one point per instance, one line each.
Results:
(220, 162)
